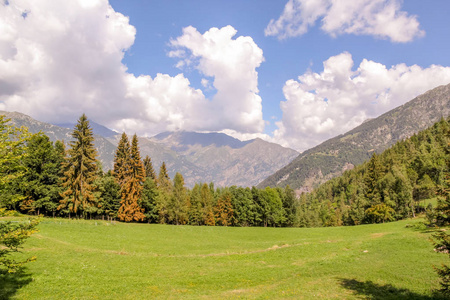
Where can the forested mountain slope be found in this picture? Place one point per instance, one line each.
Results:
(390, 186)
(343, 152)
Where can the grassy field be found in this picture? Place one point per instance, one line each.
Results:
(100, 260)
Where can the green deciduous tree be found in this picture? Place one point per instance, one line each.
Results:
(380, 213)
(13, 142)
(12, 236)
(80, 171)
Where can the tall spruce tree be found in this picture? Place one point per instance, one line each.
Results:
(122, 160)
(41, 182)
(80, 171)
(148, 166)
(179, 202)
(130, 208)
(164, 195)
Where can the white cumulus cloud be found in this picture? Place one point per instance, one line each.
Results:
(322, 105)
(59, 59)
(232, 63)
(379, 18)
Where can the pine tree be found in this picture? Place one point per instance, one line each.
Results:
(80, 171)
(148, 166)
(109, 195)
(206, 200)
(130, 208)
(122, 160)
(179, 204)
(165, 194)
(149, 198)
(41, 182)
(195, 209)
(371, 178)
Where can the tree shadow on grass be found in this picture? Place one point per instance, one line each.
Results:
(11, 282)
(376, 291)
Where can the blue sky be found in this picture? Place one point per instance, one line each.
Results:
(159, 21)
(319, 70)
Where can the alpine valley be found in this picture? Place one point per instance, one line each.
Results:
(199, 157)
(334, 156)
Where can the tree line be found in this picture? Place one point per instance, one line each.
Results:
(56, 181)
(390, 186)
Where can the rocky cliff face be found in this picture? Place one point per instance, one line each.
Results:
(338, 154)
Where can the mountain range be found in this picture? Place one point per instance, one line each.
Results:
(199, 157)
(226, 161)
(334, 156)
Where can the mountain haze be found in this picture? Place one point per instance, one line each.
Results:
(217, 157)
(334, 156)
(199, 157)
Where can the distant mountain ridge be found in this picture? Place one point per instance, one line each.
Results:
(96, 128)
(199, 157)
(222, 159)
(105, 149)
(187, 138)
(334, 156)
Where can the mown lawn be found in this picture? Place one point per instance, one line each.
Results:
(100, 260)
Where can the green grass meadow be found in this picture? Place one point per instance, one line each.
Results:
(79, 259)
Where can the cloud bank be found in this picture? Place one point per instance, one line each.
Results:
(59, 59)
(322, 105)
(379, 18)
(232, 64)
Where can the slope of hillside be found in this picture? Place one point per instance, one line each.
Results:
(217, 157)
(199, 157)
(105, 148)
(338, 154)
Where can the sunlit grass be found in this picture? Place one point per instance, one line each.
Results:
(101, 260)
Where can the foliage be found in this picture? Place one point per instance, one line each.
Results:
(441, 242)
(80, 169)
(12, 236)
(12, 152)
(130, 209)
(164, 195)
(108, 194)
(380, 213)
(148, 166)
(388, 187)
(41, 184)
(442, 217)
(223, 211)
(179, 203)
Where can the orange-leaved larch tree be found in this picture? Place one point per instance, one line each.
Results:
(131, 178)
